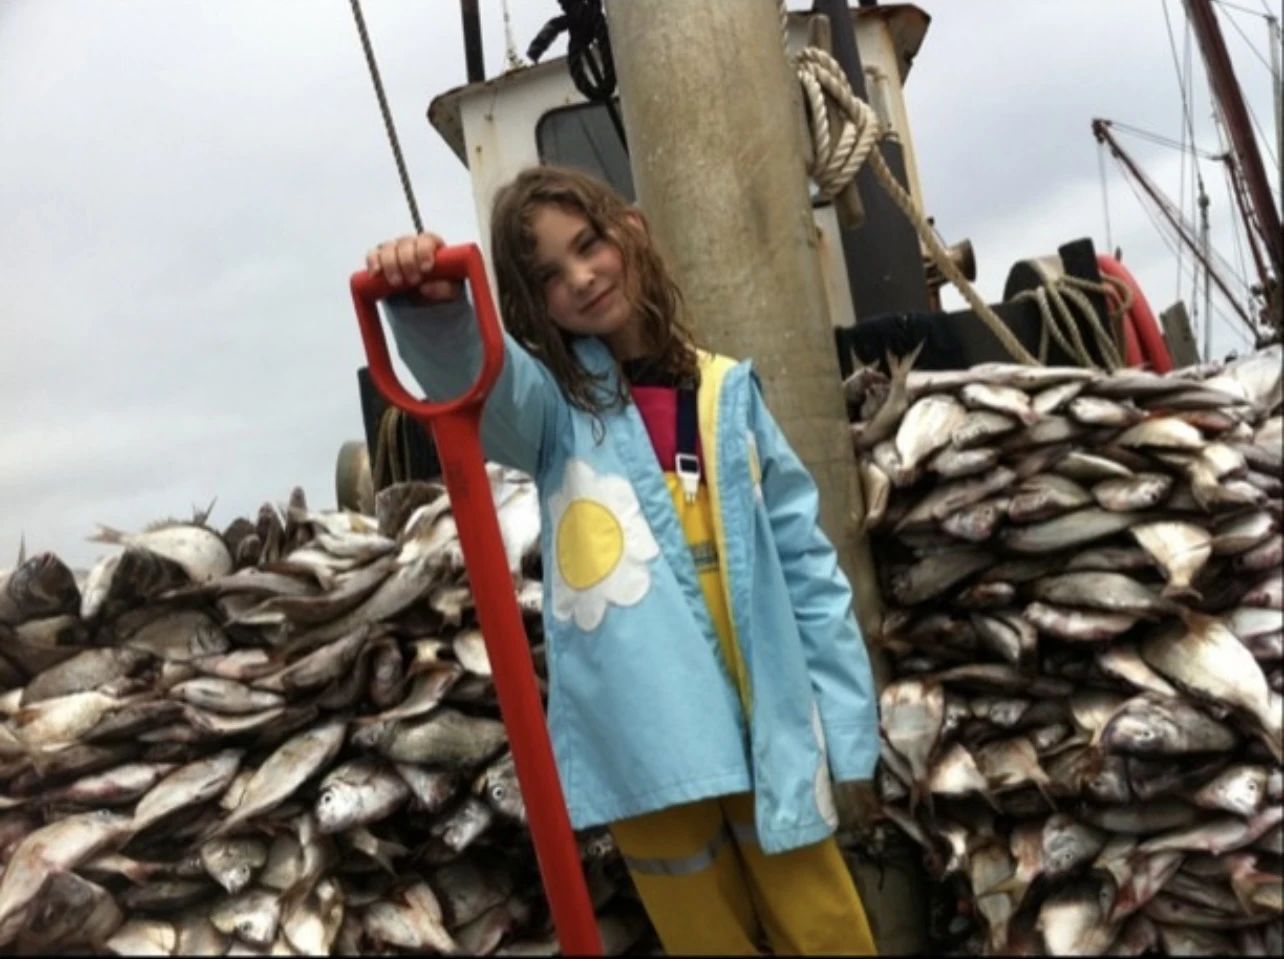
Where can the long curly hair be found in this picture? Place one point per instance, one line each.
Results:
(648, 286)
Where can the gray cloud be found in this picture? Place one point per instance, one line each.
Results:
(186, 187)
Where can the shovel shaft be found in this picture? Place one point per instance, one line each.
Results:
(456, 429)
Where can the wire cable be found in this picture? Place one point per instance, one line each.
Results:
(388, 125)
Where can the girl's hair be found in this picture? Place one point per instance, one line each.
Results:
(648, 286)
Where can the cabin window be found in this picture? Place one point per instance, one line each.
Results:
(583, 137)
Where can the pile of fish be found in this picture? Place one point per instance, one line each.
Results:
(279, 739)
(1082, 578)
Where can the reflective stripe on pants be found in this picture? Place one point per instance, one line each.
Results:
(708, 888)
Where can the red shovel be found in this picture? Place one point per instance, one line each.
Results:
(456, 429)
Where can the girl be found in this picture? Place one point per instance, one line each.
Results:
(708, 681)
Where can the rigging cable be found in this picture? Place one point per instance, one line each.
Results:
(387, 115)
(1105, 193)
(1188, 128)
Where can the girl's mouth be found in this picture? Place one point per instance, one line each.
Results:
(598, 300)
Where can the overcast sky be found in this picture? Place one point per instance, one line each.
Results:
(185, 187)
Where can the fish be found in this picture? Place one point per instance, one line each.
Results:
(499, 786)
(1238, 789)
(411, 920)
(446, 737)
(1141, 491)
(1216, 836)
(1099, 411)
(358, 792)
(84, 671)
(1046, 495)
(1007, 763)
(1088, 467)
(1073, 920)
(1205, 658)
(120, 785)
(1078, 625)
(1007, 400)
(1053, 398)
(38, 587)
(951, 462)
(1068, 530)
(889, 415)
(1110, 592)
(199, 550)
(1149, 725)
(284, 771)
(877, 488)
(989, 864)
(192, 784)
(143, 937)
(232, 863)
(1179, 549)
(457, 830)
(1068, 844)
(950, 498)
(1123, 661)
(913, 711)
(927, 425)
(252, 916)
(1007, 633)
(58, 847)
(1162, 432)
(1142, 819)
(225, 695)
(935, 574)
(955, 773)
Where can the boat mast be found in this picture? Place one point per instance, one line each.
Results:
(1243, 141)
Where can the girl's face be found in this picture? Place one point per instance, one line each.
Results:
(581, 275)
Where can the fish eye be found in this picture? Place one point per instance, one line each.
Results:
(497, 792)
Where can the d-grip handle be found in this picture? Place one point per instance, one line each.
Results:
(460, 262)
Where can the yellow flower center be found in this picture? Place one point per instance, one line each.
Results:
(590, 543)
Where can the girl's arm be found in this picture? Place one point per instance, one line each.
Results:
(822, 600)
(440, 344)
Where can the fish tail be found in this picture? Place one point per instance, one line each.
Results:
(107, 534)
(1175, 591)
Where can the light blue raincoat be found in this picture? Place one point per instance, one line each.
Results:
(642, 711)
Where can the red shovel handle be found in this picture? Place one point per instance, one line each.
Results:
(456, 429)
(463, 262)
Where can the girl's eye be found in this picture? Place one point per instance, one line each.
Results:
(589, 243)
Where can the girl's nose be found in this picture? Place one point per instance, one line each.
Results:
(581, 277)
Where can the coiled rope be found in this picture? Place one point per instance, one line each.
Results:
(836, 160)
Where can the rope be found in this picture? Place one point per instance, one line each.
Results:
(392, 454)
(1064, 327)
(387, 115)
(588, 42)
(837, 159)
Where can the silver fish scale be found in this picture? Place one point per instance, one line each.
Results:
(1144, 554)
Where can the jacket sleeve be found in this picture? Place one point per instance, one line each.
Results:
(822, 599)
(440, 345)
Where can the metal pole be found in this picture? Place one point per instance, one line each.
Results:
(715, 124)
(1226, 88)
(1101, 129)
(472, 41)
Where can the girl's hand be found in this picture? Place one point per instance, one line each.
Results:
(405, 261)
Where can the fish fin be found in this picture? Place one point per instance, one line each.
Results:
(905, 363)
(201, 516)
(1010, 885)
(1186, 592)
(22, 549)
(107, 534)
